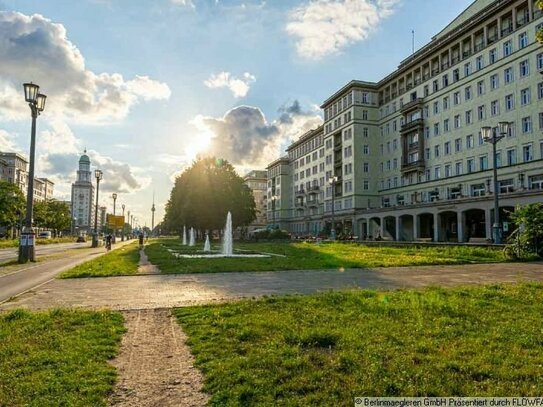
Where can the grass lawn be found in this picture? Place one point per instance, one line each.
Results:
(326, 349)
(57, 358)
(313, 256)
(122, 261)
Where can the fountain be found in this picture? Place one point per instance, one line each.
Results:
(207, 246)
(227, 246)
(227, 249)
(192, 237)
(184, 235)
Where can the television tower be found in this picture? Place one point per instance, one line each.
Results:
(153, 214)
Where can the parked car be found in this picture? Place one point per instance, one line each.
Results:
(81, 239)
(45, 235)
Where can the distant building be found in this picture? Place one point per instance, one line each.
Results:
(83, 197)
(256, 181)
(13, 169)
(102, 217)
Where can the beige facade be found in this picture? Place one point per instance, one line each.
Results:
(13, 169)
(257, 182)
(407, 151)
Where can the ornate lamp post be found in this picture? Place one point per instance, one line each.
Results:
(122, 230)
(98, 175)
(36, 102)
(332, 181)
(494, 136)
(114, 196)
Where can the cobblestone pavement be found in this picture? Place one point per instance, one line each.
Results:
(166, 291)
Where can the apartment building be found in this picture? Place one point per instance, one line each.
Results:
(256, 180)
(13, 169)
(406, 156)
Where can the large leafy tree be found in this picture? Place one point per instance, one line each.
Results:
(12, 204)
(203, 195)
(52, 214)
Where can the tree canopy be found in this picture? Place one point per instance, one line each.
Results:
(12, 204)
(52, 214)
(203, 195)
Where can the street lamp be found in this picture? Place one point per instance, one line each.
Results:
(114, 196)
(36, 102)
(98, 175)
(332, 181)
(273, 199)
(493, 136)
(122, 230)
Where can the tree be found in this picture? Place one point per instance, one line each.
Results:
(526, 240)
(12, 204)
(539, 34)
(59, 217)
(203, 195)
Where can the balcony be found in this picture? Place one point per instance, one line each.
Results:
(299, 204)
(492, 39)
(313, 189)
(507, 30)
(313, 203)
(413, 166)
(300, 192)
(479, 46)
(416, 103)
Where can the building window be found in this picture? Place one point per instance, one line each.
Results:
(445, 125)
(481, 112)
(511, 156)
(523, 40)
(508, 75)
(437, 172)
(469, 141)
(366, 149)
(527, 153)
(478, 190)
(458, 168)
(467, 93)
(457, 145)
(507, 48)
(535, 182)
(456, 98)
(457, 122)
(436, 107)
(494, 82)
(524, 68)
(446, 102)
(467, 69)
(483, 162)
(468, 117)
(436, 151)
(448, 172)
(480, 88)
(470, 165)
(366, 185)
(456, 75)
(492, 56)
(494, 108)
(509, 102)
(539, 60)
(525, 96)
(447, 148)
(541, 122)
(479, 62)
(526, 124)
(540, 90)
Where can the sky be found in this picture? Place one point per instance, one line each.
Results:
(145, 87)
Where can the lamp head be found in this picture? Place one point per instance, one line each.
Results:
(40, 102)
(504, 128)
(98, 174)
(486, 133)
(114, 195)
(31, 92)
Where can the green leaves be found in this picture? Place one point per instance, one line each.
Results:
(203, 195)
(12, 204)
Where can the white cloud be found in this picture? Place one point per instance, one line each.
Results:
(238, 86)
(244, 137)
(7, 142)
(33, 48)
(324, 27)
(188, 3)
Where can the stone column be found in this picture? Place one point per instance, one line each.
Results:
(415, 227)
(488, 224)
(436, 227)
(460, 226)
(398, 224)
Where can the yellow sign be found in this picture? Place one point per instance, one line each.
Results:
(115, 222)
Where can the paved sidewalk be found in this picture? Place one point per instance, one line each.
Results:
(166, 291)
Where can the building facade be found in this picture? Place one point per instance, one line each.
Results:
(404, 158)
(13, 169)
(83, 197)
(257, 182)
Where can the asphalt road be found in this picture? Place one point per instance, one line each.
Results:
(41, 250)
(24, 278)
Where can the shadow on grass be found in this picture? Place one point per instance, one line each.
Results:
(307, 256)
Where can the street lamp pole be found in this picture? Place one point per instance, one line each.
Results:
(98, 175)
(36, 101)
(114, 196)
(493, 137)
(332, 181)
(122, 230)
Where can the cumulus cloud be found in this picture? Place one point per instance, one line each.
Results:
(238, 86)
(35, 48)
(244, 137)
(183, 3)
(324, 27)
(58, 156)
(7, 142)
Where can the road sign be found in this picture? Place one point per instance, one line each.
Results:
(115, 222)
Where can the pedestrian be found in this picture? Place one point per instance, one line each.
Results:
(140, 237)
(108, 242)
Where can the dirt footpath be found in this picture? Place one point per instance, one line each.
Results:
(154, 365)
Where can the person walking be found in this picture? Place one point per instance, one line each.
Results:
(140, 237)
(108, 242)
